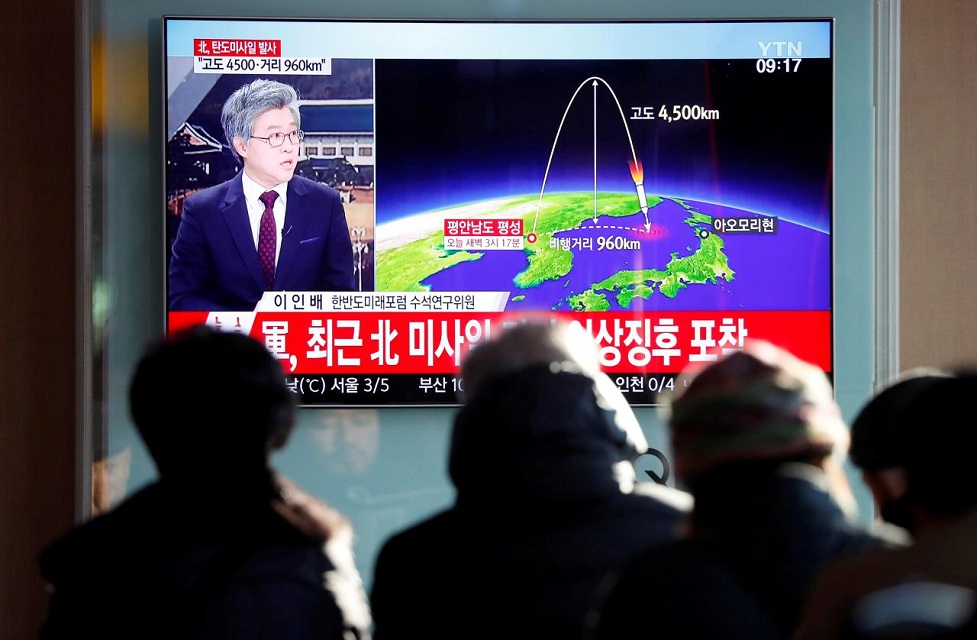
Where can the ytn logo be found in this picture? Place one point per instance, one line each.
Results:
(780, 49)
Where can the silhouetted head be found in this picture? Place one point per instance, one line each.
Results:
(757, 405)
(883, 442)
(537, 404)
(877, 442)
(210, 402)
(534, 342)
(940, 422)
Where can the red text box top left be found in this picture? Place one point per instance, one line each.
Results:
(237, 48)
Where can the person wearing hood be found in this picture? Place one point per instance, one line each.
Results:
(220, 545)
(547, 500)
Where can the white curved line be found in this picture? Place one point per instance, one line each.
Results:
(559, 129)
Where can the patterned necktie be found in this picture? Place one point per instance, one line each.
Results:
(266, 236)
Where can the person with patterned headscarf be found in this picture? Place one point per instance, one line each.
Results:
(758, 440)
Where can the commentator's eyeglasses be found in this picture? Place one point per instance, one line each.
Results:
(277, 139)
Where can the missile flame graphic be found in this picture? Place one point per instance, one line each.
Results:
(638, 175)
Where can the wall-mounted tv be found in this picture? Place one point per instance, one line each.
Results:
(667, 184)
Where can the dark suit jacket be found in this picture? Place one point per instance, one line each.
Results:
(214, 266)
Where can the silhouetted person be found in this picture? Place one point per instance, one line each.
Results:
(220, 546)
(927, 590)
(881, 450)
(546, 498)
(758, 440)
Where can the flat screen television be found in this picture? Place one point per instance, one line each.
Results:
(667, 184)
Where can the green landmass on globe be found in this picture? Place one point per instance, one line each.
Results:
(705, 264)
(406, 261)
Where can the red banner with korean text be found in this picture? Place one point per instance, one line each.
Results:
(332, 342)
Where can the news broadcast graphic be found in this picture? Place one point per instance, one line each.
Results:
(668, 185)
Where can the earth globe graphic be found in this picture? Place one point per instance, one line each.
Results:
(587, 253)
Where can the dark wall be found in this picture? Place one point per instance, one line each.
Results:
(37, 294)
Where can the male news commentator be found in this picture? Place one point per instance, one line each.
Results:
(264, 229)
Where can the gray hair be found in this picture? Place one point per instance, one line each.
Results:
(247, 103)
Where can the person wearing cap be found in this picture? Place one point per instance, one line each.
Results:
(758, 440)
(882, 444)
(929, 589)
(547, 499)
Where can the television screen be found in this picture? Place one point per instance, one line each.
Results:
(666, 184)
